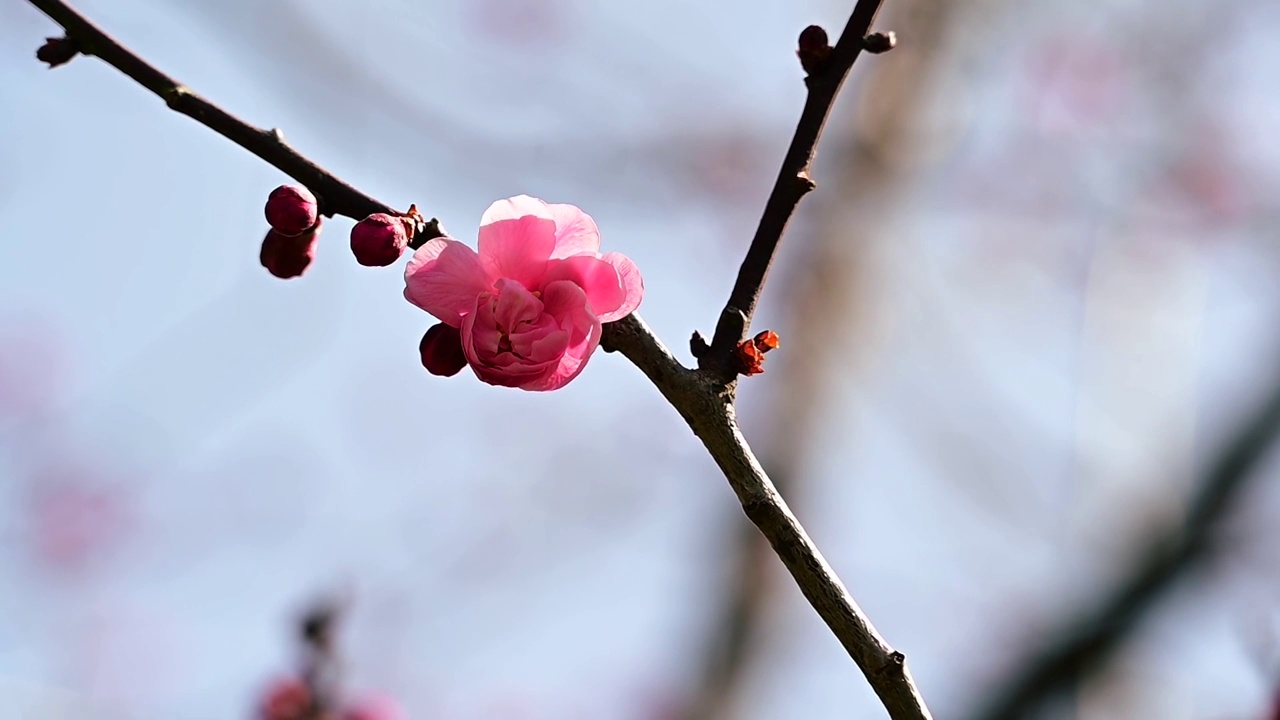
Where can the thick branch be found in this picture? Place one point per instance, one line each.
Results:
(792, 184)
(704, 402)
(336, 197)
(710, 415)
(1086, 641)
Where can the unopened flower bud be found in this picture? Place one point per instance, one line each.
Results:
(380, 239)
(289, 256)
(815, 49)
(441, 350)
(291, 210)
(57, 51)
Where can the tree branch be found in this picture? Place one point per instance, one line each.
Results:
(708, 409)
(703, 399)
(335, 196)
(1086, 641)
(792, 184)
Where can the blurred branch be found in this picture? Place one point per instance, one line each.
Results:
(703, 398)
(792, 184)
(1089, 639)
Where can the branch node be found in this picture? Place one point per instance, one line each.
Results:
(173, 96)
(277, 135)
(807, 185)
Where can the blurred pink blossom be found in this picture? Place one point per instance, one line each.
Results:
(375, 707)
(531, 302)
(76, 517)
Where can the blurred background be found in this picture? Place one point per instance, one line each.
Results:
(1029, 309)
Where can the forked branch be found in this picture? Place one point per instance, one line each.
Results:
(704, 398)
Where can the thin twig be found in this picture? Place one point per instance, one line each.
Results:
(336, 196)
(1086, 641)
(703, 399)
(792, 184)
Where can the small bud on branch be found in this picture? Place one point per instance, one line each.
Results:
(57, 51)
(815, 50)
(880, 42)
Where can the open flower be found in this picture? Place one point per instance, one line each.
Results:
(530, 303)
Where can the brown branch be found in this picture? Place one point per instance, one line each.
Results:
(792, 184)
(703, 399)
(1086, 641)
(336, 197)
(707, 407)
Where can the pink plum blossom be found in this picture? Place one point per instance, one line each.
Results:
(530, 303)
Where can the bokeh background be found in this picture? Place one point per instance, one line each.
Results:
(1032, 299)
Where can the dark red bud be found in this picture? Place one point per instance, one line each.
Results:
(813, 38)
(289, 256)
(441, 350)
(57, 51)
(380, 239)
(814, 51)
(291, 210)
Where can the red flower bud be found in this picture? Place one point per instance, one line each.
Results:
(286, 699)
(813, 38)
(57, 51)
(291, 210)
(814, 50)
(289, 257)
(750, 353)
(380, 239)
(441, 350)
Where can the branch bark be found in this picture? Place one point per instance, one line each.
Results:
(790, 187)
(704, 398)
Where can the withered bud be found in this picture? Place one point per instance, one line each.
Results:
(877, 43)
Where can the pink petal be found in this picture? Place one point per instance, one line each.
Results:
(632, 285)
(517, 249)
(480, 336)
(567, 302)
(444, 277)
(541, 342)
(576, 232)
(597, 278)
(515, 208)
(515, 305)
(480, 333)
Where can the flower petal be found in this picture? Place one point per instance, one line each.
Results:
(597, 278)
(515, 304)
(576, 232)
(517, 249)
(444, 277)
(567, 302)
(632, 286)
(514, 208)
